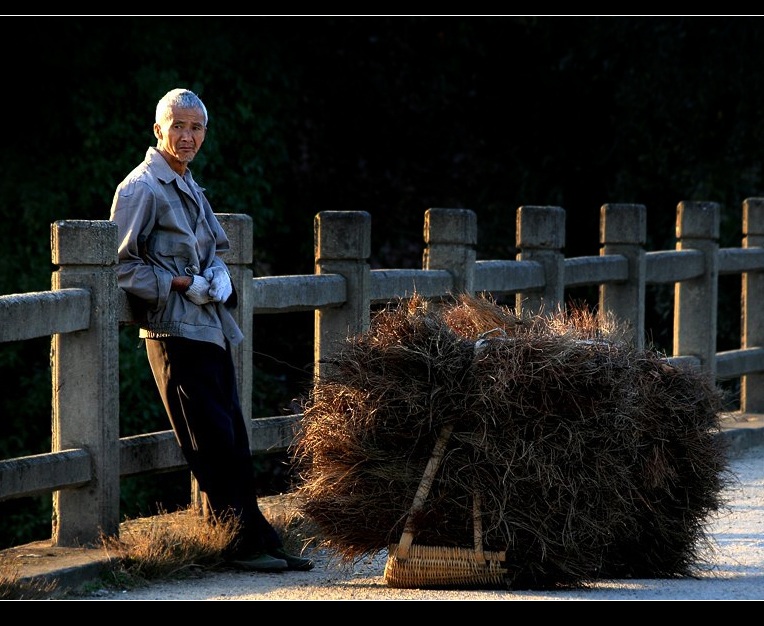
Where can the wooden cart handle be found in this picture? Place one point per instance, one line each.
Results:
(428, 476)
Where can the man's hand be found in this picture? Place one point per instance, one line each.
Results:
(199, 290)
(220, 283)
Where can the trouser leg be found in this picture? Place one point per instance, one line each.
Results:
(197, 383)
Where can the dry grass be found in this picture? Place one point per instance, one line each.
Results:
(13, 588)
(165, 546)
(592, 459)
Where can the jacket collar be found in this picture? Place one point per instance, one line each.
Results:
(167, 175)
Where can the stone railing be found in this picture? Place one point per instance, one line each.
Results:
(84, 309)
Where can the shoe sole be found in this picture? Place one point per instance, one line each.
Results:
(249, 567)
(294, 564)
(300, 568)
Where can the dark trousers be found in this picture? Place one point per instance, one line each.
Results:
(197, 383)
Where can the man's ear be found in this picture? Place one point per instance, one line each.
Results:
(157, 131)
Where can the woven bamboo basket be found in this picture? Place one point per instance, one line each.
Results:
(411, 566)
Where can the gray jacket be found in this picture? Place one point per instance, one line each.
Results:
(166, 228)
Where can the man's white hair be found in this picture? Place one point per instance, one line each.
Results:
(182, 99)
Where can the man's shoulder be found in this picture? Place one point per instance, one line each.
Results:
(141, 178)
(147, 176)
(151, 172)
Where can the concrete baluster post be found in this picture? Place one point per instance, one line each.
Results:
(450, 236)
(695, 300)
(342, 242)
(85, 379)
(752, 306)
(239, 229)
(623, 231)
(540, 237)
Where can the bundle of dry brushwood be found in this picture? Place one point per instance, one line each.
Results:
(590, 459)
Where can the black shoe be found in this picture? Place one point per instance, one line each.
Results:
(294, 563)
(260, 563)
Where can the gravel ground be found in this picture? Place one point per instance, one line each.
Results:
(733, 568)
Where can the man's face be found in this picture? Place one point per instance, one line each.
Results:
(181, 136)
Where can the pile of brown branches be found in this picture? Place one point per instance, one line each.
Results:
(592, 459)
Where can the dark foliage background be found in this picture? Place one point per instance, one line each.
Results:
(391, 115)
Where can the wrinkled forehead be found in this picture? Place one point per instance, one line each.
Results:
(176, 114)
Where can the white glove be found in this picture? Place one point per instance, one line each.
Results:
(199, 291)
(220, 283)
